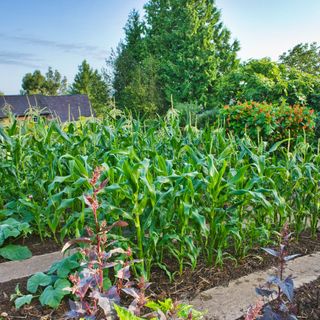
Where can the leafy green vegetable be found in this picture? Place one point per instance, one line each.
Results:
(11, 228)
(65, 266)
(26, 299)
(52, 295)
(38, 279)
(15, 252)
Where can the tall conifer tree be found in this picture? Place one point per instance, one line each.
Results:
(178, 51)
(90, 82)
(135, 71)
(192, 46)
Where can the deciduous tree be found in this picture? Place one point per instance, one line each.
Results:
(304, 57)
(52, 83)
(55, 83)
(266, 80)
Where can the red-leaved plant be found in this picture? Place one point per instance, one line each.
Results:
(94, 298)
(92, 294)
(278, 286)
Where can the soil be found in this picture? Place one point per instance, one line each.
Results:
(36, 246)
(308, 301)
(185, 286)
(192, 282)
(28, 312)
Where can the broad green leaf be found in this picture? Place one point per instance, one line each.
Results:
(15, 252)
(51, 297)
(19, 302)
(62, 284)
(112, 187)
(38, 279)
(66, 203)
(65, 266)
(107, 283)
(11, 228)
(58, 180)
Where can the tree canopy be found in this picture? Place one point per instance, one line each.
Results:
(90, 82)
(304, 57)
(191, 44)
(264, 80)
(52, 83)
(135, 71)
(178, 52)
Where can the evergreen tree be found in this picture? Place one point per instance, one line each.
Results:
(81, 82)
(128, 55)
(135, 77)
(192, 46)
(179, 51)
(91, 82)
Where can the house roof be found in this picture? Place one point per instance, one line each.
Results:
(68, 107)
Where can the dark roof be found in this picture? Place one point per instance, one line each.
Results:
(68, 107)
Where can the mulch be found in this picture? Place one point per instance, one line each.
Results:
(308, 301)
(204, 277)
(185, 286)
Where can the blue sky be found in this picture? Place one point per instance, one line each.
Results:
(35, 34)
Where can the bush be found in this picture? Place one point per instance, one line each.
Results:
(265, 80)
(268, 122)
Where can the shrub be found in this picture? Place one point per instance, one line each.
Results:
(267, 121)
(265, 80)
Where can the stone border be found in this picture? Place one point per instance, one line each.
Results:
(232, 301)
(19, 269)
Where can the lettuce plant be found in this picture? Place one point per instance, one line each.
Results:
(162, 310)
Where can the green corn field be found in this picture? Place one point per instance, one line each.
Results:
(187, 193)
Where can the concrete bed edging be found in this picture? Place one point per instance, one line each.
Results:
(13, 270)
(231, 302)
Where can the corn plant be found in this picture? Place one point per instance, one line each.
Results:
(185, 192)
